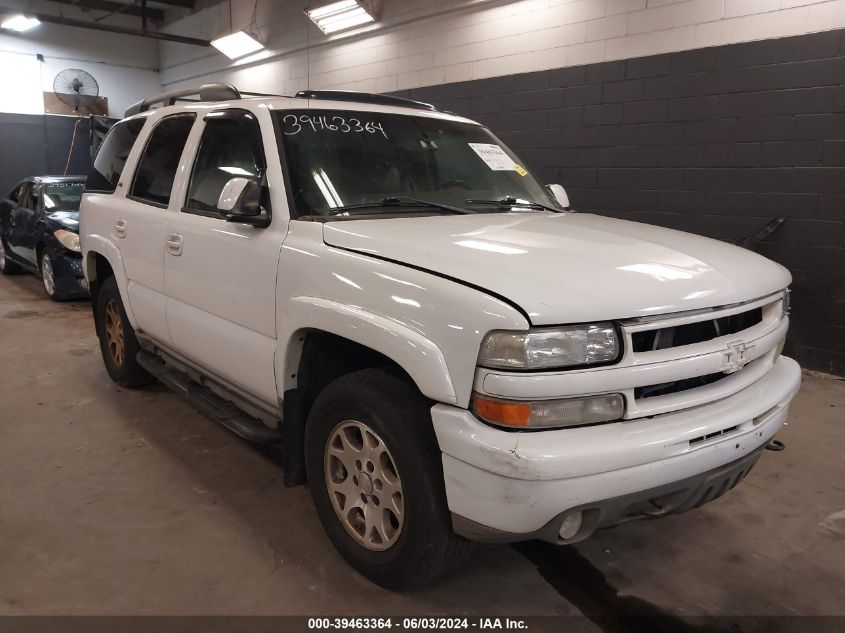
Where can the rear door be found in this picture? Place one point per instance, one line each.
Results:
(221, 276)
(143, 220)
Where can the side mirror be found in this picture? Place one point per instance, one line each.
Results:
(240, 201)
(560, 195)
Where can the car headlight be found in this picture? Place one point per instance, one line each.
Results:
(550, 348)
(68, 239)
(546, 414)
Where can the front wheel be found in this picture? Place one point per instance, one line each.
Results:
(48, 276)
(374, 469)
(118, 343)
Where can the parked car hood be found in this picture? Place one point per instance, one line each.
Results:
(569, 267)
(68, 220)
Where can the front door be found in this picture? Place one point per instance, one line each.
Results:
(221, 276)
(23, 223)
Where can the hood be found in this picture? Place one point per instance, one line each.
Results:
(68, 220)
(570, 267)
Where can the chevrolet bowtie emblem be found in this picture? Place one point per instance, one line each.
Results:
(733, 359)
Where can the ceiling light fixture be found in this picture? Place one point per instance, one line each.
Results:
(339, 16)
(20, 23)
(237, 45)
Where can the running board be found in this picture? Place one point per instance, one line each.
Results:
(209, 403)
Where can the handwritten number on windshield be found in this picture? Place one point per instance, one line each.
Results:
(294, 124)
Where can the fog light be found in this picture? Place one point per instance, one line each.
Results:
(570, 526)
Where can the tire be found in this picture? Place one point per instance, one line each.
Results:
(7, 266)
(118, 343)
(415, 545)
(48, 280)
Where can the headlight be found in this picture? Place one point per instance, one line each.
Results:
(544, 414)
(549, 348)
(68, 239)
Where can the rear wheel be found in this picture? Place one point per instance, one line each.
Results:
(374, 469)
(7, 266)
(118, 343)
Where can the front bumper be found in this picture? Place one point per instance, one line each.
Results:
(516, 484)
(69, 279)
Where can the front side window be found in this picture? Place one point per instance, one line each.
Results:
(338, 159)
(111, 157)
(62, 196)
(230, 148)
(157, 167)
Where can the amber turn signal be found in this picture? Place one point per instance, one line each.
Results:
(501, 412)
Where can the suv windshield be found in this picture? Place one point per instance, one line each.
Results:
(62, 196)
(369, 162)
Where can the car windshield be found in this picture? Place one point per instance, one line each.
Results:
(347, 162)
(62, 196)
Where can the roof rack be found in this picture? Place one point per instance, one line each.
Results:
(364, 97)
(206, 92)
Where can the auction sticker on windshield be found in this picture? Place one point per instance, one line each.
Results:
(494, 156)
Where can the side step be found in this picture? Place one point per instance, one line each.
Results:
(209, 403)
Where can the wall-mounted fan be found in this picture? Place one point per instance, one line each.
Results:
(75, 88)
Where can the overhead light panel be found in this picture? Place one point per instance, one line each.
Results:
(237, 45)
(339, 16)
(20, 23)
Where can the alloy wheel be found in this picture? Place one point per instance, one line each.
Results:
(114, 332)
(47, 275)
(364, 485)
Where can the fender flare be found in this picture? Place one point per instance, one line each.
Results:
(418, 356)
(97, 245)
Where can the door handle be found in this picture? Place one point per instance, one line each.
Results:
(174, 244)
(120, 228)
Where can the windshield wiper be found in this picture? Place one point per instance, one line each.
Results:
(399, 202)
(510, 201)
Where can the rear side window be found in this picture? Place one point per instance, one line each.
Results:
(107, 167)
(157, 167)
(16, 192)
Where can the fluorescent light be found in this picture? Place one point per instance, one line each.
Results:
(20, 23)
(237, 45)
(339, 16)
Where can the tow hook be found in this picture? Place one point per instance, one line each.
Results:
(775, 445)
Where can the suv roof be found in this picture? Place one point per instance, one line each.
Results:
(227, 92)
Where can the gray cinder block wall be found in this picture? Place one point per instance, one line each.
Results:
(716, 141)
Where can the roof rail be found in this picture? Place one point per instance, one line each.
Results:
(364, 97)
(206, 92)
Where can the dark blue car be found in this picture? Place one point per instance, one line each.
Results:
(39, 233)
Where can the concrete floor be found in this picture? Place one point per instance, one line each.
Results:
(129, 502)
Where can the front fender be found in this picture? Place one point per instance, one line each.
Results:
(100, 246)
(417, 355)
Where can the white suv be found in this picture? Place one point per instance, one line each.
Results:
(444, 351)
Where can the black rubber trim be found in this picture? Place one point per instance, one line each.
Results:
(462, 282)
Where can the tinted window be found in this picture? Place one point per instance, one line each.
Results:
(230, 147)
(157, 167)
(62, 196)
(107, 167)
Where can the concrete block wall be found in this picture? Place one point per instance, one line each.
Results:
(430, 42)
(716, 141)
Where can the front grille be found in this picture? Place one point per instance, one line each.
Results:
(675, 386)
(691, 333)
